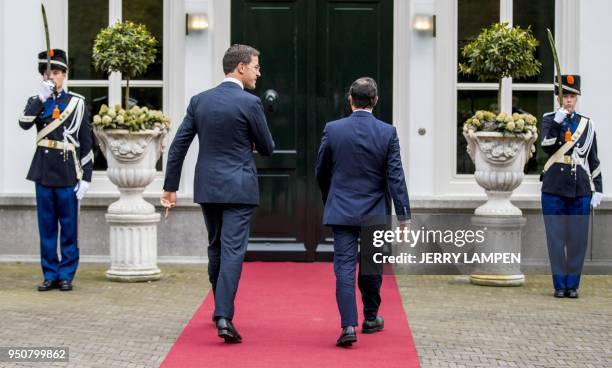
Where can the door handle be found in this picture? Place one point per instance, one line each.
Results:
(270, 100)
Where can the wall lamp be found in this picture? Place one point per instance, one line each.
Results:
(424, 24)
(196, 23)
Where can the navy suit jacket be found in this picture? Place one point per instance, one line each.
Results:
(358, 167)
(227, 121)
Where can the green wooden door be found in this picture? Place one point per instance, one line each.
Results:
(310, 53)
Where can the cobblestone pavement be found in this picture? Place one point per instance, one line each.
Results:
(454, 324)
(105, 324)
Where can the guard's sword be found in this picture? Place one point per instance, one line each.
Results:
(551, 39)
(47, 41)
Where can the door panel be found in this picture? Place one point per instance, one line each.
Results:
(355, 39)
(311, 50)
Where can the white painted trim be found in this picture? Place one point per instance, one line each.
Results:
(515, 86)
(506, 11)
(567, 34)
(401, 88)
(220, 29)
(145, 83)
(446, 181)
(87, 83)
(445, 97)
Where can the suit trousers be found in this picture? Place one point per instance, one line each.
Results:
(345, 259)
(57, 205)
(228, 228)
(567, 233)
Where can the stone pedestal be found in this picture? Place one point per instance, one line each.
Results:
(503, 235)
(133, 221)
(499, 160)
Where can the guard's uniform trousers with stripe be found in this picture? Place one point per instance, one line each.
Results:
(568, 183)
(63, 156)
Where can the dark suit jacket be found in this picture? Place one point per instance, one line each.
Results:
(227, 121)
(358, 166)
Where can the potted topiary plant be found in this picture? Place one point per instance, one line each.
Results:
(131, 139)
(500, 143)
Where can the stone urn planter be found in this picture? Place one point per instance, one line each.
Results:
(131, 158)
(500, 161)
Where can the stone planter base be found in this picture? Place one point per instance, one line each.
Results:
(503, 235)
(133, 247)
(497, 280)
(131, 158)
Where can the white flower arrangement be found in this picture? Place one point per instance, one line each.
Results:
(510, 125)
(134, 119)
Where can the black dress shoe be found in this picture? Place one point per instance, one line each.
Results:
(65, 285)
(348, 337)
(560, 293)
(372, 326)
(571, 293)
(48, 285)
(227, 331)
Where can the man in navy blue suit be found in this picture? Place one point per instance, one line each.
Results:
(230, 123)
(358, 166)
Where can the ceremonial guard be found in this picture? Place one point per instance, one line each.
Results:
(61, 167)
(572, 184)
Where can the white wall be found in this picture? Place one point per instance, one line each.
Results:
(419, 164)
(23, 38)
(194, 64)
(2, 72)
(595, 51)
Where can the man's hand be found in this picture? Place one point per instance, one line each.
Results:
(168, 200)
(560, 115)
(405, 225)
(46, 90)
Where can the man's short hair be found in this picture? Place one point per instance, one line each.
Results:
(363, 92)
(237, 54)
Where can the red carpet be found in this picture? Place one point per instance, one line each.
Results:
(287, 316)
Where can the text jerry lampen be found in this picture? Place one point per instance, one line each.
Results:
(448, 258)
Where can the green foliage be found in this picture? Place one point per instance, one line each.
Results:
(134, 119)
(124, 47)
(501, 51)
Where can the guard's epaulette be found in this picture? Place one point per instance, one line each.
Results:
(549, 113)
(76, 95)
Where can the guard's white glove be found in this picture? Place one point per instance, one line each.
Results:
(560, 115)
(81, 188)
(596, 199)
(46, 90)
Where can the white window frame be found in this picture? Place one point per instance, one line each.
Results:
(173, 34)
(447, 181)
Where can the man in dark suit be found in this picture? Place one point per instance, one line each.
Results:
(358, 165)
(229, 123)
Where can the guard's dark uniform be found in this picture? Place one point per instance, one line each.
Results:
(63, 156)
(569, 180)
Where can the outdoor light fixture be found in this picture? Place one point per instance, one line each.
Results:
(424, 24)
(196, 23)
